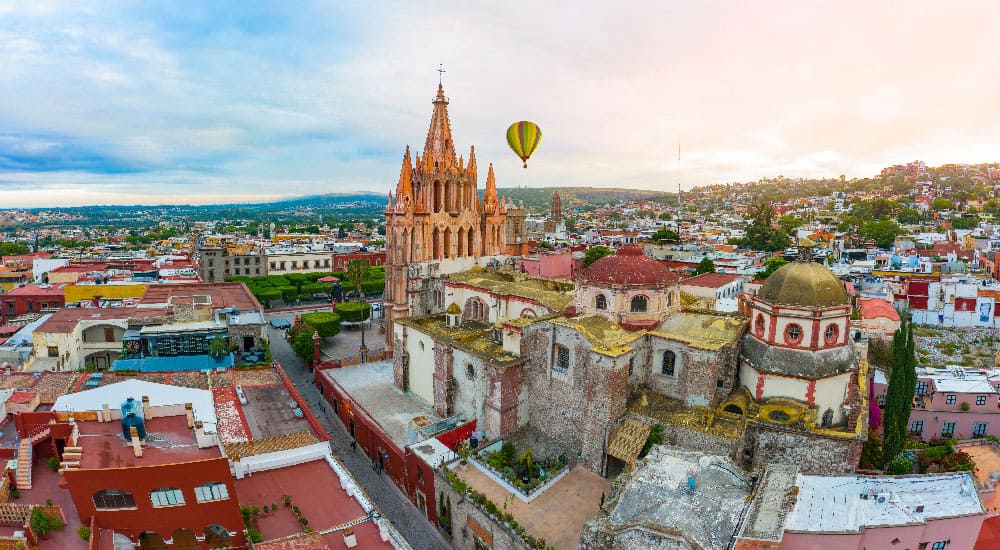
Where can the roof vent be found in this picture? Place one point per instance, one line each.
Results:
(883, 498)
(920, 508)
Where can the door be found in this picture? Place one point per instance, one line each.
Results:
(422, 503)
(248, 342)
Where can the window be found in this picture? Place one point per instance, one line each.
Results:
(274, 265)
(921, 388)
(917, 426)
(793, 334)
(947, 429)
(669, 363)
(562, 359)
(759, 325)
(113, 499)
(166, 497)
(639, 304)
(831, 334)
(950, 400)
(211, 491)
(939, 545)
(53, 351)
(980, 400)
(881, 400)
(601, 302)
(979, 429)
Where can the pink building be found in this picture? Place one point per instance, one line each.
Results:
(559, 264)
(953, 402)
(927, 512)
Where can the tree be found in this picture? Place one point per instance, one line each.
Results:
(667, 235)
(358, 271)
(354, 312)
(883, 232)
(941, 204)
(907, 216)
(899, 395)
(11, 249)
(325, 323)
(790, 223)
(218, 348)
(760, 232)
(595, 253)
(770, 266)
(706, 265)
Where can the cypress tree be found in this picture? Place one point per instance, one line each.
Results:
(899, 395)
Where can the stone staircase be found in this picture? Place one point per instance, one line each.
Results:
(24, 456)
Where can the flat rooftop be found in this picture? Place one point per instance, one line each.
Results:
(660, 494)
(222, 295)
(370, 385)
(315, 488)
(848, 504)
(168, 441)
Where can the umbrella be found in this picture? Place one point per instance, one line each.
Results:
(328, 279)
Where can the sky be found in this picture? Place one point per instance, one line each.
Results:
(196, 102)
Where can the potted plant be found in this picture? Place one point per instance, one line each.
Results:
(464, 451)
(40, 523)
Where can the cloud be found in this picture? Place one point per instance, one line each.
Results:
(236, 100)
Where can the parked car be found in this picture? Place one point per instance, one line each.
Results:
(280, 323)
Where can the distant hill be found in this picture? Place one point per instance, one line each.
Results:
(538, 199)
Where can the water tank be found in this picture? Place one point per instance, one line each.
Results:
(132, 418)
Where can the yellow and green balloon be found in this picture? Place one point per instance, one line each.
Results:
(523, 138)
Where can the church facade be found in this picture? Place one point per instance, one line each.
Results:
(436, 223)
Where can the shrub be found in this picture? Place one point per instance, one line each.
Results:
(254, 535)
(900, 465)
(303, 521)
(965, 406)
(84, 532)
(354, 312)
(53, 464)
(325, 323)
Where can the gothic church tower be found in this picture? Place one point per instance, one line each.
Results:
(435, 222)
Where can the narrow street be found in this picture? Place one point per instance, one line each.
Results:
(390, 500)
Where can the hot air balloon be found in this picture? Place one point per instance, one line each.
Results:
(523, 138)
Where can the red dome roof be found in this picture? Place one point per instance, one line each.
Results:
(629, 266)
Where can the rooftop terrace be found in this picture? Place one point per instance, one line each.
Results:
(370, 385)
(169, 441)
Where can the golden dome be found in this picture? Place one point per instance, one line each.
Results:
(806, 284)
(453, 309)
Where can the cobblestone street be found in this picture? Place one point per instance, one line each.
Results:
(389, 499)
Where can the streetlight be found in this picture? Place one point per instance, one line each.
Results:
(364, 349)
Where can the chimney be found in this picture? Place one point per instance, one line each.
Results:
(147, 411)
(105, 413)
(189, 411)
(136, 445)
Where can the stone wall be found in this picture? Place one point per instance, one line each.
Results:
(574, 408)
(469, 522)
(443, 382)
(237, 332)
(808, 451)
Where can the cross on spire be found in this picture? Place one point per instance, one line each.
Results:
(441, 72)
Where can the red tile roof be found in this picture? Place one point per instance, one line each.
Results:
(65, 320)
(222, 294)
(36, 290)
(629, 266)
(877, 307)
(711, 280)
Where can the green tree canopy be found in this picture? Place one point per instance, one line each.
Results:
(939, 204)
(706, 265)
(358, 271)
(354, 312)
(760, 232)
(899, 394)
(325, 323)
(595, 253)
(666, 235)
(770, 266)
(907, 216)
(883, 232)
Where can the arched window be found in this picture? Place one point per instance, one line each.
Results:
(475, 309)
(759, 325)
(211, 491)
(167, 496)
(528, 313)
(670, 299)
(669, 366)
(113, 499)
(639, 304)
(601, 302)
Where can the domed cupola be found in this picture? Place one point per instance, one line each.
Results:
(629, 288)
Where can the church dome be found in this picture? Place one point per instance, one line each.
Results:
(629, 266)
(806, 284)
